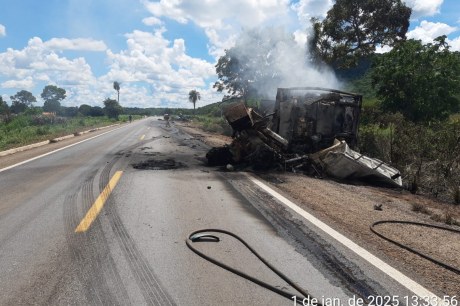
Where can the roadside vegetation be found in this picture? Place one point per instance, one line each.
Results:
(25, 129)
(410, 117)
(22, 123)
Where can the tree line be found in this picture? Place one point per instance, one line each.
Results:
(23, 100)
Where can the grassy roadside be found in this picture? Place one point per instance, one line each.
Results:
(26, 129)
(213, 124)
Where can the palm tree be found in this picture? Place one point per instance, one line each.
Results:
(193, 96)
(116, 86)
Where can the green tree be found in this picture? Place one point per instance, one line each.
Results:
(420, 81)
(4, 108)
(52, 106)
(69, 111)
(85, 110)
(230, 74)
(21, 101)
(96, 111)
(255, 64)
(194, 96)
(353, 29)
(116, 86)
(112, 108)
(53, 96)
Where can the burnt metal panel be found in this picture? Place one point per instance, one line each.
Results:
(310, 118)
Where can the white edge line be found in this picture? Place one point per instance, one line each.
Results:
(57, 150)
(378, 263)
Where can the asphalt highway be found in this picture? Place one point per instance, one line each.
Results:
(104, 222)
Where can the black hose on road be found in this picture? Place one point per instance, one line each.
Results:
(204, 235)
(440, 263)
(201, 235)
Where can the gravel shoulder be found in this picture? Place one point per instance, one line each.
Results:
(350, 209)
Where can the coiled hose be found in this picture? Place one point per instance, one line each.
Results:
(203, 235)
(440, 263)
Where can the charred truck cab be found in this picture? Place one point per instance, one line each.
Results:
(311, 118)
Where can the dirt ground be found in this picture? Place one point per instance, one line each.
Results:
(211, 139)
(350, 209)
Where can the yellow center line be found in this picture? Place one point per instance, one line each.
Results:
(94, 211)
(142, 137)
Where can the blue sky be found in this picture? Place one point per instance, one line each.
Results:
(158, 50)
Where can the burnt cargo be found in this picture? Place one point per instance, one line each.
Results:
(310, 118)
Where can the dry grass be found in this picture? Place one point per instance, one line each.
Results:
(418, 207)
(447, 218)
(456, 195)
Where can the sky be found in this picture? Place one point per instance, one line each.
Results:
(157, 50)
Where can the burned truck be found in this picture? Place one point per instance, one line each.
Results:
(308, 128)
(310, 118)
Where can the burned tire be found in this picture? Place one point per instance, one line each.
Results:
(263, 159)
(219, 156)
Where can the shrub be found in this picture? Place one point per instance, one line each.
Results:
(425, 153)
(42, 130)
(417, 207)
(449, 219)
(42, 120)
(60, 120)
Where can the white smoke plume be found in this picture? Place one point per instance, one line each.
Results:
(273, 59)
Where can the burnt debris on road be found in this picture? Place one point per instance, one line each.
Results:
(309, 129)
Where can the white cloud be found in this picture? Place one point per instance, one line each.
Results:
(151, 21)
(383, 49)
(427, 31)
(39, 64)
(455, 44)
(210, 13)
(163, 67)
(220, 40)
(2, 30)
(80, 44)
(27, 84)
(307, 9)
(220, 20)
(168, 9)
(421, 8)
(39, 61)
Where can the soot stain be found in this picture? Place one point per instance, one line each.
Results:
(155, 164)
